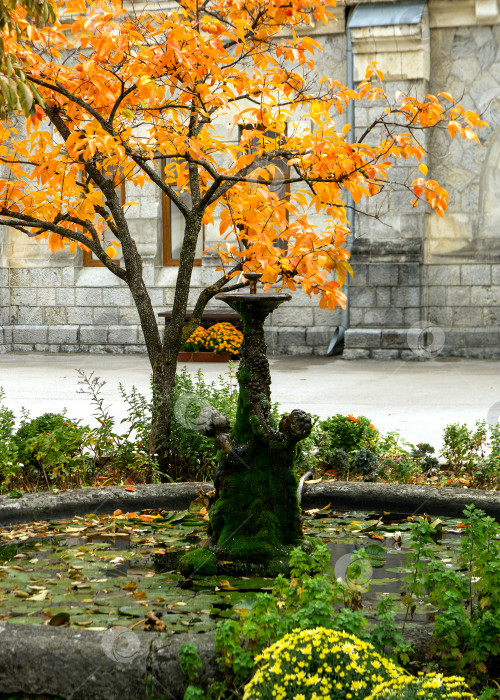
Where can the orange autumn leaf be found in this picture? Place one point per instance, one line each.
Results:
(130, 488)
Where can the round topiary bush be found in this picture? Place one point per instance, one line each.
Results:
(432, 686)
(319, 663)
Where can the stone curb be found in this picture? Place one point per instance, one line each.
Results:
(116, 664)
(398, 498)
(103, 499)
(405, 499)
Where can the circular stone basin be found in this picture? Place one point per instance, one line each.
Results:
(99, 571)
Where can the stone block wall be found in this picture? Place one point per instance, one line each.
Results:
(45, 310)
(422, 285)
(458, 314)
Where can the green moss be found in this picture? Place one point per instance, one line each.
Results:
(198, 561)
(257, 513)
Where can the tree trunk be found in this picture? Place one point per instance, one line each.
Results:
(165, 363)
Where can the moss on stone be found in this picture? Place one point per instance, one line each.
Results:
(256, 515)
(198, 561)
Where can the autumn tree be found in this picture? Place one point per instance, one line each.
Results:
(15, 91)
(125, 94)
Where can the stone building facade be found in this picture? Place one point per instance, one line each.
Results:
(414, 273)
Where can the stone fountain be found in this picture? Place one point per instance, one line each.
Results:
(255, 517)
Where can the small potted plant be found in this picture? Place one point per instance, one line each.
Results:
(219, 343)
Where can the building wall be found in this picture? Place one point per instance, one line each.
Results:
(416, 277)
(430, 286)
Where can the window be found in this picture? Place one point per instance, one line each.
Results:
(173, 229)
(89, 258)
(281, 173)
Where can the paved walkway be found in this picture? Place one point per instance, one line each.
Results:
(415, 398)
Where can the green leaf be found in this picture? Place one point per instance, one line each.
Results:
(25, 97)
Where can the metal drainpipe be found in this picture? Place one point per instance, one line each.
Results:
(345, 315)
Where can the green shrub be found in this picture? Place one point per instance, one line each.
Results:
(432, 686)
(348, 433)
(319, 663)
(118, 455)
(51, 449)
(311, 597)
(464, 447)
(46, 423)
(466, 632)
(8, 447)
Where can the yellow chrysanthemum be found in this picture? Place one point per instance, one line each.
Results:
(440, 687)
(325, 664)
(223, 337)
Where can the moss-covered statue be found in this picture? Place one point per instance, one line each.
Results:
(256, 516)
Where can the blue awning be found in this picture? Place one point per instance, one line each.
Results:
(384, 14)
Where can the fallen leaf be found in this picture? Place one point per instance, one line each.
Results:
(59, 619)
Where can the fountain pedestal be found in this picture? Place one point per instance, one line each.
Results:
(255, 520)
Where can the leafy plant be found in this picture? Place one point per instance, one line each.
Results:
(348, 433)
(191, 664)
(466, 633)
(117, 455)
(365, 463)
(51, 450)
(9, 466)
(192, 456)
(310, 597)
(464, 448)
(487, 471)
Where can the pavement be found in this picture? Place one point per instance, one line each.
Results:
(416, 399)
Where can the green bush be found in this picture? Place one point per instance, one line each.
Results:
(311, 597)
(466, 633)
(46, 423)
(51, 450)
(319, 663)
(432, 686)
(8, 447)
(348, 433)
(118, 455)
(464, 447)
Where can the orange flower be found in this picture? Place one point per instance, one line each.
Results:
(372, 426)
(353, 418)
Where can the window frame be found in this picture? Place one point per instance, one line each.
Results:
(286, 176)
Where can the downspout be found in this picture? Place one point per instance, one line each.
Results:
(345, 315)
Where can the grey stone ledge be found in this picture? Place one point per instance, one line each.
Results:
(106, 499)
(401, 498)
(363, 337)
